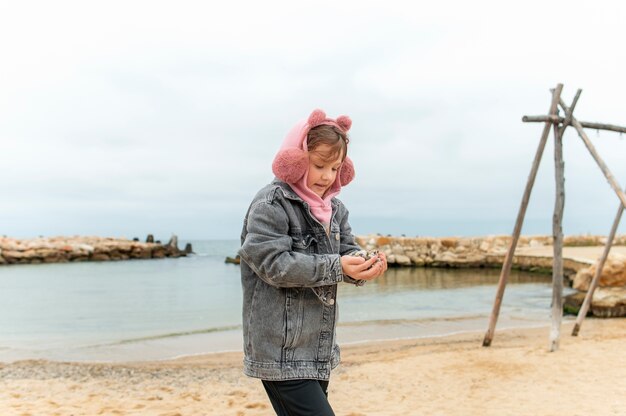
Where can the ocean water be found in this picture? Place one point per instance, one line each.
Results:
(160, 309)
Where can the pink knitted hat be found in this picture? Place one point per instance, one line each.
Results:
(292, 161)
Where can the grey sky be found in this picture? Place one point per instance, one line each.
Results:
(124, 118)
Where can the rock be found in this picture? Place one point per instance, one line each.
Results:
(139, 252)
(173, 243)
(417, 261)
(573, 302)
(402, 260)
(484, 246)
(188, 248)
(233, 260)
(449, 242)
(613, 274)
(84, 248)
(446, 257)
(397, 249)
(150, 238)
(102, 249)
(609, 302)
(13, 256)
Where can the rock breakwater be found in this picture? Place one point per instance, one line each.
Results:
(488, 251)
(77, 248)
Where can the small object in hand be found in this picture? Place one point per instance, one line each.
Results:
(368, 255)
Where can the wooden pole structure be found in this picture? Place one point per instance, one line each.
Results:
(508, 260)
(559, 125)
(596, 277)
(557, 240)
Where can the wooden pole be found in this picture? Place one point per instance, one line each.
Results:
(585, 124)
(596, 278)
(607, 173)
(508, 260)
(557, 236)
(557, 226)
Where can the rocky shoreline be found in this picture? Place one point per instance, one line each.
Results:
(78, 249)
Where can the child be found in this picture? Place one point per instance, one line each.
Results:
(296, 246)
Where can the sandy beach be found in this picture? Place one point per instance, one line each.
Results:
(451, 375)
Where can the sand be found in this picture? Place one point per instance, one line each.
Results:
(451, 375)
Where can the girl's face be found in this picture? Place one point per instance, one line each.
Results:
(322, 169)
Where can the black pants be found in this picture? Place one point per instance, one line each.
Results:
(299, 397)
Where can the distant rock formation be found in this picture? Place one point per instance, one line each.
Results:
(488, 251)
(74, 249)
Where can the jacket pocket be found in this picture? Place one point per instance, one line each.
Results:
(294, 316)
(303, 243)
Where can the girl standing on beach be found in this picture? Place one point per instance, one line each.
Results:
(296, 248)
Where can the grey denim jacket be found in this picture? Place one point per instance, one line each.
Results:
(289, 273)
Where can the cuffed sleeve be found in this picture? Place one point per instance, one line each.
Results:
(267, 250)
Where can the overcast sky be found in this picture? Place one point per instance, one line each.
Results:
(123, 118)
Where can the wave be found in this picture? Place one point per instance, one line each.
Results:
(397, 321)
(373, 322)
(167, 335)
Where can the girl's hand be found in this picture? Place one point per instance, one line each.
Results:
(383, 260)
(360, 269)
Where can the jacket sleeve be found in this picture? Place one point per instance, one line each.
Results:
(347, 242)
(267, 249)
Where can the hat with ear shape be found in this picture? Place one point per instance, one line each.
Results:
(292, 160)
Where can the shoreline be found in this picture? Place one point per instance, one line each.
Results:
(348, 333)
(451, 375)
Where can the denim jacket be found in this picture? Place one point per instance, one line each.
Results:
(289, 273)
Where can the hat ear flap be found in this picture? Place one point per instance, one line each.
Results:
(316, 117)
(290, 164)
(346, 174)
(344, 122)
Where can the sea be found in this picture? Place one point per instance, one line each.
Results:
(168, 308)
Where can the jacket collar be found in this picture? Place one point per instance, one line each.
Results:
(290, 194)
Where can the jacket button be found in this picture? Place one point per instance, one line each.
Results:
(337, 236)
(331, 302)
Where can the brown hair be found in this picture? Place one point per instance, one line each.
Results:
(331, 136)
